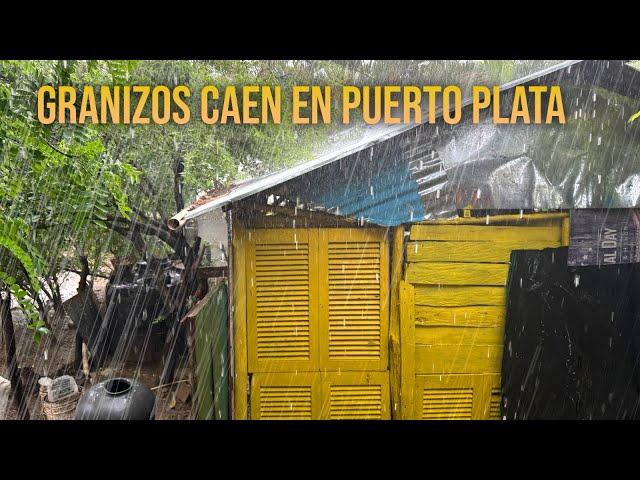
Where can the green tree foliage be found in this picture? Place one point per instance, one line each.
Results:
(58, 185)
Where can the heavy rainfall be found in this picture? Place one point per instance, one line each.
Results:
(475, 270)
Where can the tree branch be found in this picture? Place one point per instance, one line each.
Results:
(60, 151)
(79, 272)
(178, 181)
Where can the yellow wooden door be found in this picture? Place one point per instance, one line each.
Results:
(452, 314)
(283, 396)
(282, 303)
(317, 323)
(355, 396)
(454, 397)
(320, 395)
(353, 292)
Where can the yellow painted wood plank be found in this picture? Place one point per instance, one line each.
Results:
(458, 359)
(565, 231)
(286, 236)
(458, 252)
(474, 316)
(407, 352)
(239, 368)
(486, 233)
(395, 345)
(459, 335)
(459, 295)
(457, 273)
(546, 218)
(493, 252)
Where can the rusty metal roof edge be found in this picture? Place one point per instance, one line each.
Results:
(281, 176)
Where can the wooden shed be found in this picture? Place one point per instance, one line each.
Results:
(370, 282)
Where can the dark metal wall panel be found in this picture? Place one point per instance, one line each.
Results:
(572, 340)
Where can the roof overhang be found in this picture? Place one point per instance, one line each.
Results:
(386, 132)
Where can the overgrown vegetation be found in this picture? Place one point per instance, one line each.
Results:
(58, 186)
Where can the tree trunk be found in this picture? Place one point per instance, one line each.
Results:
(42, 310)
(175, 303)
(83, 284)
(17, 389)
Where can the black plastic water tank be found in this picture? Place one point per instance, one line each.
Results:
(116, 399)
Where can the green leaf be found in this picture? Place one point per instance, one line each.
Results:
(9, 240)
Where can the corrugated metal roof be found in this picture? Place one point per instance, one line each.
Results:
(371, 135)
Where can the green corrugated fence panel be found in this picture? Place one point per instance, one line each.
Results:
(212, 358)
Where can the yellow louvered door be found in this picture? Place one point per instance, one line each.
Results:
(454, 311)
(317, 323)
(495, 398)
(456, 397)
(356, 396)
(354, 315)
(283, 396)
(282, 308)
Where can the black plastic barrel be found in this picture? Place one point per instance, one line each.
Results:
(116, 399)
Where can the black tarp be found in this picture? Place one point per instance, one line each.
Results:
(572, 339)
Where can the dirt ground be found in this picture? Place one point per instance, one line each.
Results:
(58, 350)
